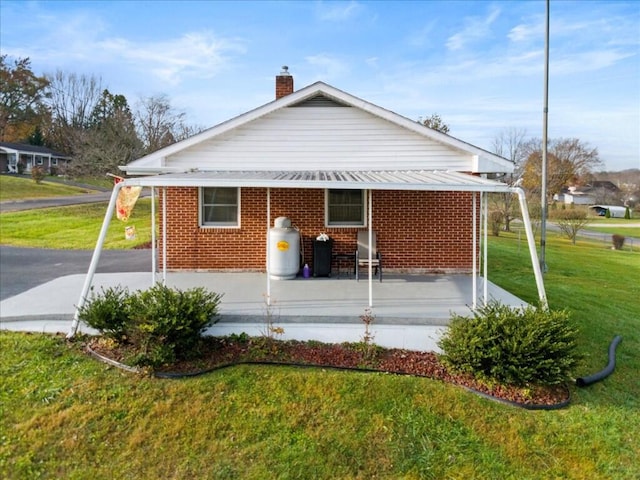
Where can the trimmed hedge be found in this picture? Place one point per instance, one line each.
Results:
(160, 324)
(517, 346)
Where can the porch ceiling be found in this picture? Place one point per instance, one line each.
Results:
(369, 180)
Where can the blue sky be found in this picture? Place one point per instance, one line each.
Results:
(480, 65)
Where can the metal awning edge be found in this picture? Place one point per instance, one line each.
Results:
(368, 180)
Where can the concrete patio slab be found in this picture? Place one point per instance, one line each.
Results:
(409, 311)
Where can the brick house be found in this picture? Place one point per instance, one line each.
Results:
(331, 163)
(326, 160)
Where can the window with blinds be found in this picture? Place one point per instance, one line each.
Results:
(345, 208)
(219, 207)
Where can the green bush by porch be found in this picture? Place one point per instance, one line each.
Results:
(160, 324)
(517, 346)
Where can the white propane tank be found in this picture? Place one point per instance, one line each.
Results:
(284, 250)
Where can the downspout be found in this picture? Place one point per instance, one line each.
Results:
(95, 258)
(537, 272)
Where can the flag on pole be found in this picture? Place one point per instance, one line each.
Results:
(127, 198)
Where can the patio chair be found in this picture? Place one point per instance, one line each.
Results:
(362, 254)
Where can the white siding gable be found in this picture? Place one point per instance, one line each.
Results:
(320, 138)
(320, 128)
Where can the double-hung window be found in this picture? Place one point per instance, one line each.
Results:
(345, 208)
(219, 207)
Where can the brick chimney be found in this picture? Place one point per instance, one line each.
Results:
(284, 83)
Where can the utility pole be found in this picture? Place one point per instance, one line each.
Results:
(545, 116)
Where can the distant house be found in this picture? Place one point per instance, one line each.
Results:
(598, 191)
(22, 157)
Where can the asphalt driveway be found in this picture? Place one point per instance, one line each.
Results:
(25, 268)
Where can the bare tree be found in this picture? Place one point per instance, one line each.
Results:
(509, 144)
(160, 124)
(571, 222)
(73, 99)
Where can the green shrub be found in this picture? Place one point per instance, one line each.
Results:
(627, 214)
(108, 312)
(517, 346)
(160, 324)
(162, 316)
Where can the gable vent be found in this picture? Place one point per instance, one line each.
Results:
(319, 101)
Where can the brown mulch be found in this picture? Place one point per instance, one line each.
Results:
(219, 352)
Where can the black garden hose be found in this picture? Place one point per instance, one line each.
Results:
(604, 373)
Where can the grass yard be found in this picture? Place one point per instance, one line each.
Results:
(65, 415)
(74, 227)
(12, 188)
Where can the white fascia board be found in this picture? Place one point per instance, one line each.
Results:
(487, 164)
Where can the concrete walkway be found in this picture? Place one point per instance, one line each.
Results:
(409, 311)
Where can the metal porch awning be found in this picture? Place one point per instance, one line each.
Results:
(421, 180)
(361, 180)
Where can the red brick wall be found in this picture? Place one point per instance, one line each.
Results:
(417, 231)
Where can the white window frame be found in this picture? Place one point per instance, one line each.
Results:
(39, 160)
(327, 222)
(54, 161)
(217, 224)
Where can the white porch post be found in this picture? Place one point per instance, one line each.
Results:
(537, 272)
(154, 259)
(485, 267)
(370, 192)
(474, 254)
(95, 258)
(164, 236)
(268, 247)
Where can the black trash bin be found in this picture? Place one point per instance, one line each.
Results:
(322, 255)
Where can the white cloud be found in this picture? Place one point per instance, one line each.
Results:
(327, 68)
(198, 54)
(476, 28)
(337, 11)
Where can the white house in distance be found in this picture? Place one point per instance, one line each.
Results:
(331, 163)
(21, 158)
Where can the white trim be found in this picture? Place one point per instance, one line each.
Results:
(217, 225)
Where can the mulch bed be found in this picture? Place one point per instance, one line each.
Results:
(219, 352)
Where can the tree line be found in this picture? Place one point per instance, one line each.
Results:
(79, 116)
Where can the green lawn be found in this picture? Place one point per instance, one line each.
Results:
(65, 415)
(12, 188)
(73, 227)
